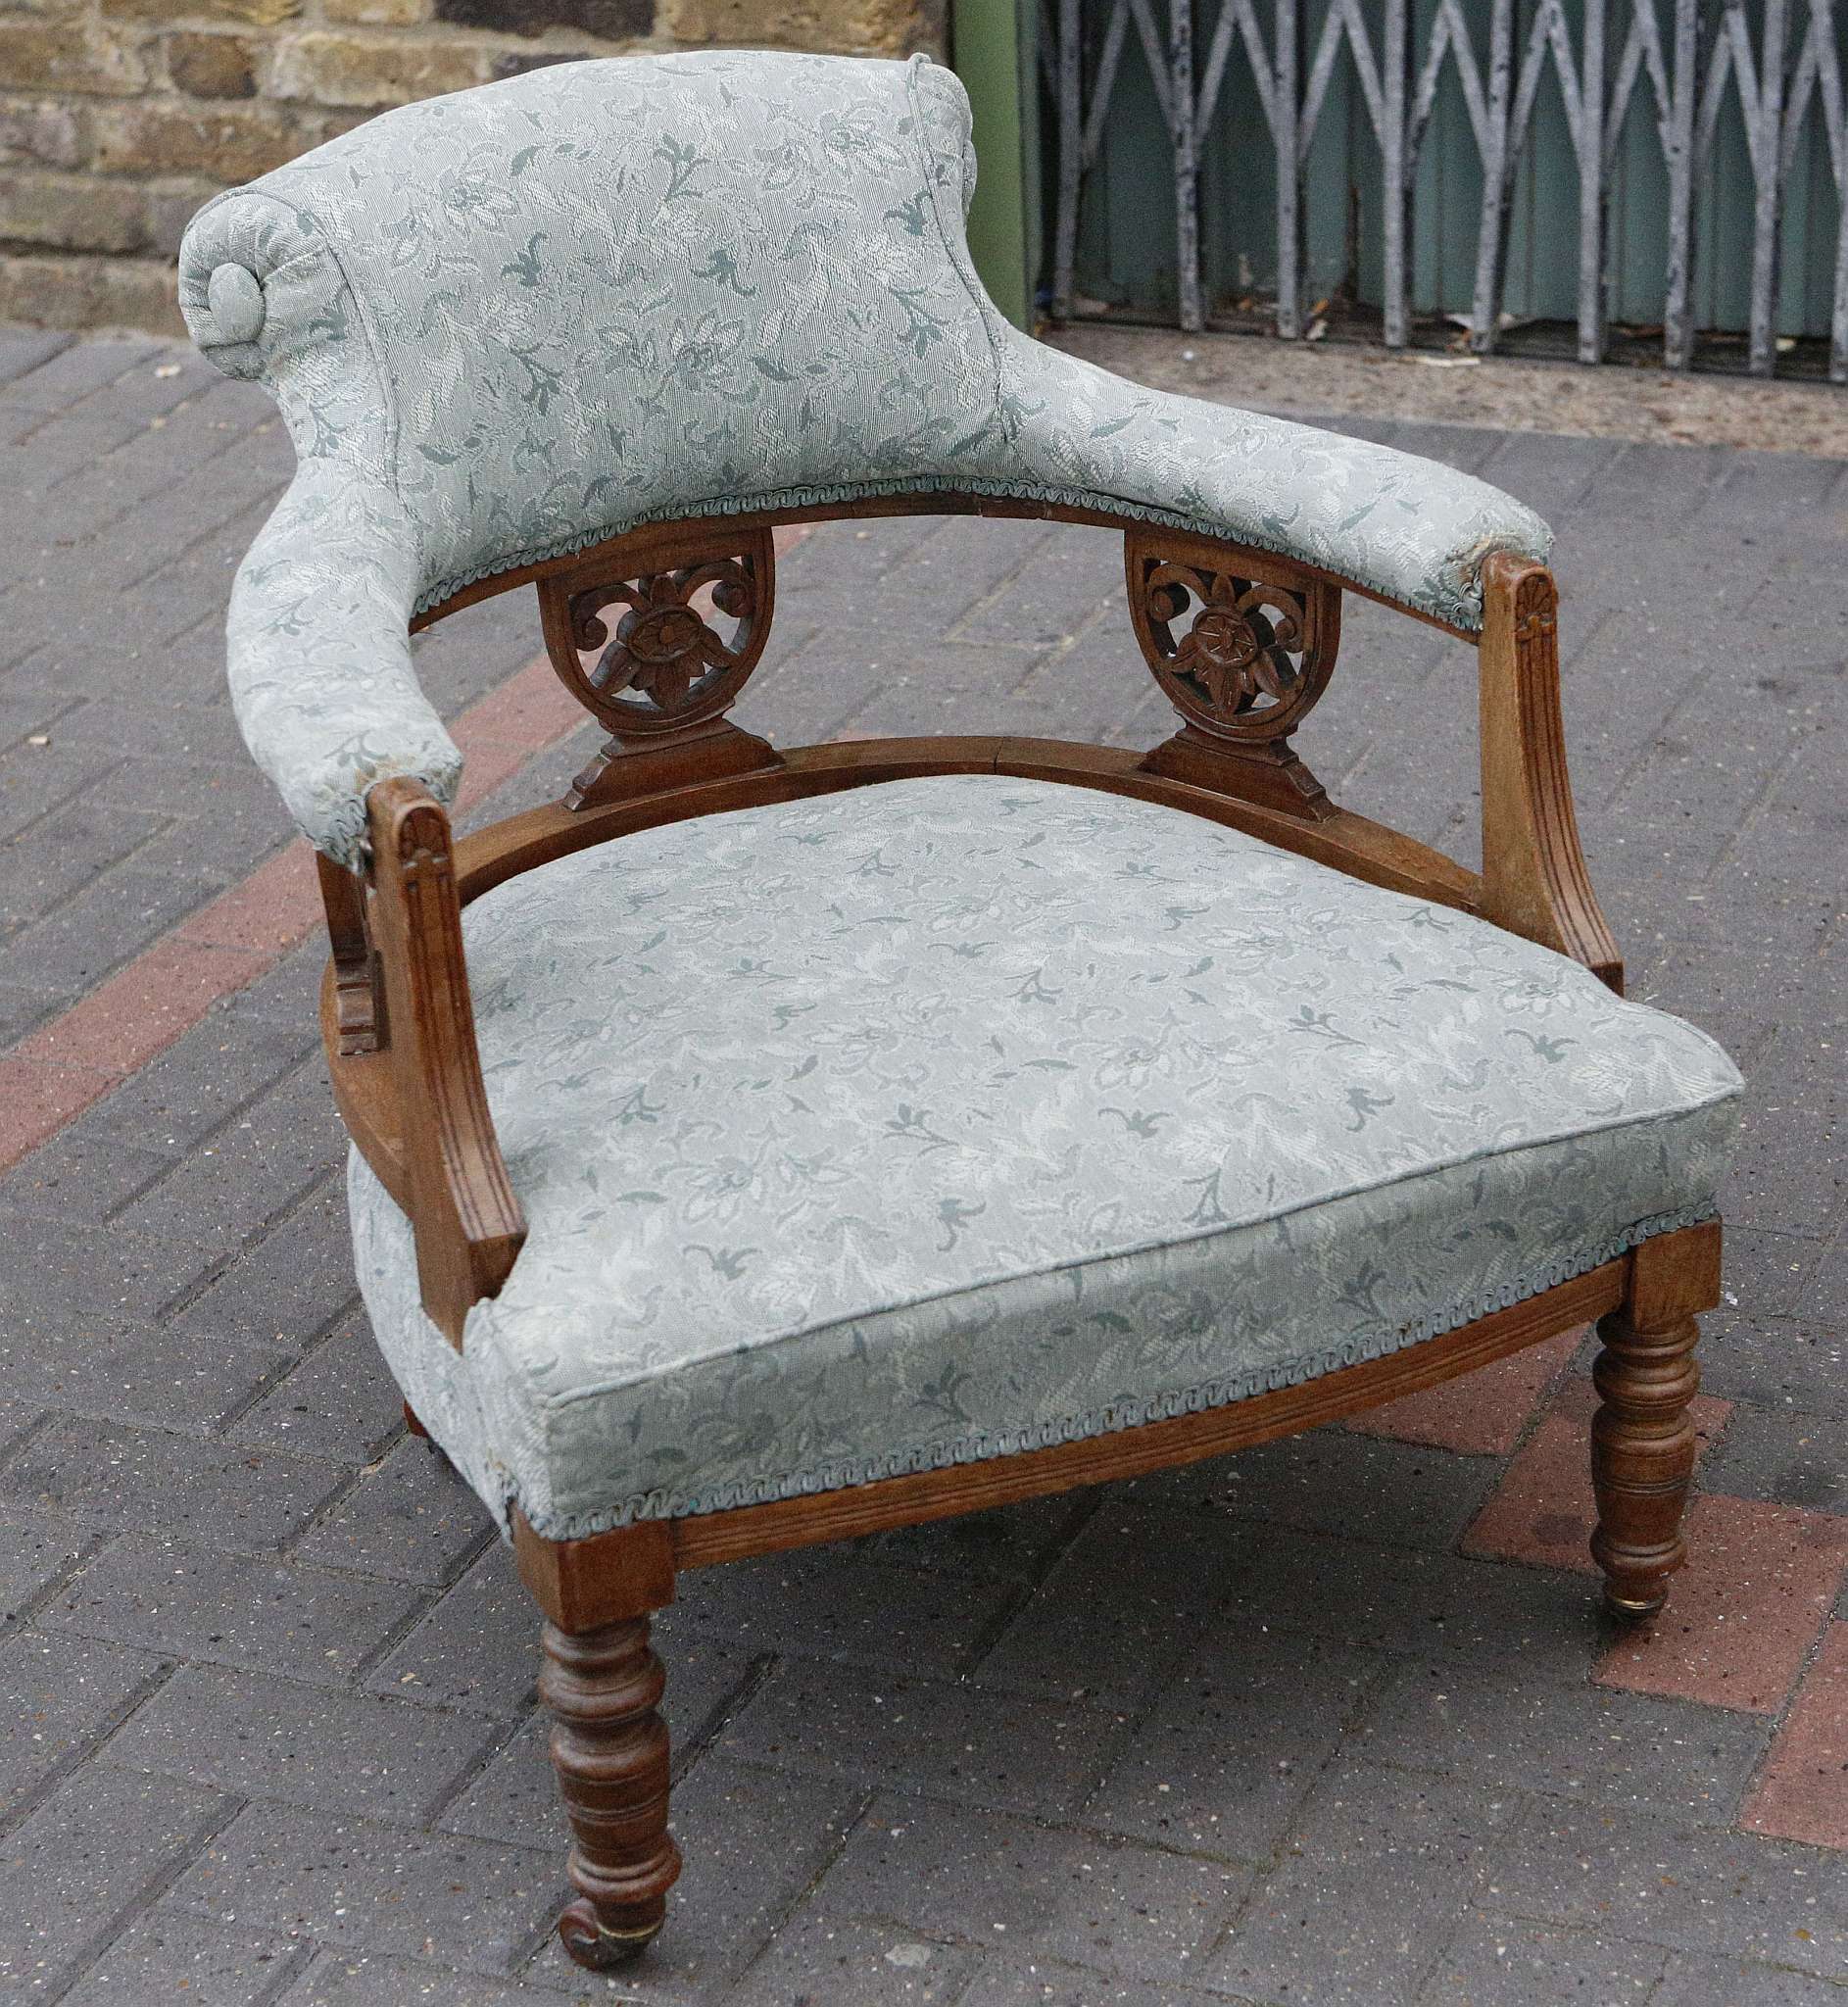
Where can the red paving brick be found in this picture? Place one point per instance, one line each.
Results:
(145, 1006)
(1758, 1587)
(37, 1098)
(1542, 1511)
(1801, 1792)
(1479, 1414)
(52, 1076)
(276, 906)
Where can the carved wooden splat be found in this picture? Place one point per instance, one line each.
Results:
(656, 635)
(1242, 646)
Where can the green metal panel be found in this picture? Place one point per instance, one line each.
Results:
(994, 48)
(1126, 237)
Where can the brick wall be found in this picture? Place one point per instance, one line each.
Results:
(118, 118)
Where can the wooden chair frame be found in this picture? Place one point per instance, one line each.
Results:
(400, 1043)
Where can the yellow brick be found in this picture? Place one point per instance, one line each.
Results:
(377, 70)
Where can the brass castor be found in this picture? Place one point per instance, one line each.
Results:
(598, 1949)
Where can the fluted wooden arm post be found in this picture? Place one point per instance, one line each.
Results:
(1534, 881)
(467, 1222)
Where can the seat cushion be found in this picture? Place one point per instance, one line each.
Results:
(942, 1119)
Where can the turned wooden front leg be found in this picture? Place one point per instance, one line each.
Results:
(602, 1689)
(1642, 1440)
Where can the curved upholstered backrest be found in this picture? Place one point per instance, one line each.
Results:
(613, 290)
(508, 325)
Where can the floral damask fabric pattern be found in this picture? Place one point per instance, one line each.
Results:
(510, 322)
(949, 1118)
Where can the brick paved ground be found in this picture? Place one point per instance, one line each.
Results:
(1331, 1722)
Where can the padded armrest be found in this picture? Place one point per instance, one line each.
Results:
(319, 657)
(1408, 529)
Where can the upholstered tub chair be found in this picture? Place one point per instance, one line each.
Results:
(763, 1147)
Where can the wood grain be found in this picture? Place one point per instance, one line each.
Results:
(1534, 880)
(463, 1211)
(1642, 1442)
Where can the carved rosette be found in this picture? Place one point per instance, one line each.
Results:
(1242, 645)
(663, 651)
(1240, 657)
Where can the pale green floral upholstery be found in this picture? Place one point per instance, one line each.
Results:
(936, 1120)
(507, 323)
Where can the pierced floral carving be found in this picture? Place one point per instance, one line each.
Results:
(648, 652)
(1250, 661)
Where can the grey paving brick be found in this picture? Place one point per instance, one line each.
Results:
(97, 929)
(819, 1958)
(292, 1283)
(1234, 1743)
(1120, 1607)
(257, 1737)
(961, 563)
(90, 498)
(82, 1174)
(1044, 1983)
(1414, 1497)
(1777, 1362)
(886, 684)
(341, 1400)
(35, 1550)
(1376, 1878)
(185, 1958)
(176, 1378)
(243, 1177)
(60, 1695)
(1493, 1962)
(1402, 1601)
(478, 1647)
(103, 1473)
(1001, 1749)
(62, 1266)
(1740, 1982)
(36, 779)
(1013, 1542)
(1011, 1885)
(1655, 1881)
(73, 369)
(1790, 1459)
(1548, 470)
(205, 1077)
(1511, 1733)
(23, 349)
(199, 1602)
(412, 1519)
(84, 1858)
(753, 1841)
(364, 1887)
(289, 996)
(344, 1978)
(843, 1603)
(1825, 1292)
(1057, 584)
(62, 853)
(22, 1007)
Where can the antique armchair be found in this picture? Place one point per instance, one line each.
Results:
(824, 1140)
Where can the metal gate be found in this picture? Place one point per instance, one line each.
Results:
(1681, 161)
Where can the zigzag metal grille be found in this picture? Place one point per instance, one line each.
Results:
(1777, 59)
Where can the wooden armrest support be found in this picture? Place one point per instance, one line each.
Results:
(1534, 881)
(467, 1222)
